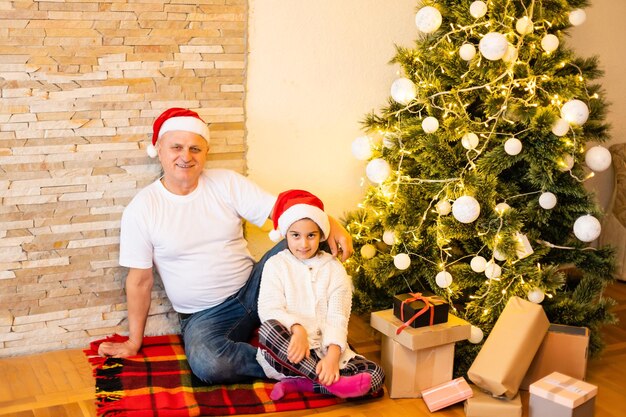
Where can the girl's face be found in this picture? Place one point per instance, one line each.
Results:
(303, 238)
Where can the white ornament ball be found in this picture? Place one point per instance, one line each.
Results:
(598, 158)
(577, 17)
(499, 255)
(513, 146)
(535, 295)
(466, 209)
(547, 200)
(511, 54)
(389, 143)
(566, 163)
(560, 127)
(478, 9)
(443, 279)
(377, 170)
(478, 264)
(524, 26)
(575, 112)
(467, 51)
(403, 90)
(469, 140)
(443, 207)
(550, 42)
(428, 19)
(389, 237)
(501, 208)
(368, 251)
(402, 261)
(493, 270)
(430, 124)
(476, 335)
(493, 46)
(587, 228)
(362, 148)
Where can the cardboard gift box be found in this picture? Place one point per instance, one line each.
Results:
(564, 350)
(505, 357)
(559, 395)
(417, 358)
(483, 404)
(448, 393)
(420, 309)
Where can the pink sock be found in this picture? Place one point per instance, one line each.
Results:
(288, 385)
(351, 386)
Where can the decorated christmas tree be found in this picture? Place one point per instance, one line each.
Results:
(477, 168)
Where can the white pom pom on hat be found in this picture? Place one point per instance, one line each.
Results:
(294, 205)
(275, 236)
(152, 151)
(177, 118)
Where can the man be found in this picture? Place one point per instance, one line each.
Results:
(188, 224)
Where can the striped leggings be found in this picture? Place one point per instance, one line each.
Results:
(274, 340)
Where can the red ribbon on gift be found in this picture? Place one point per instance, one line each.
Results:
(427, 305)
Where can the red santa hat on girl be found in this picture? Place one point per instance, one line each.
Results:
(294, 205)
(177, 118)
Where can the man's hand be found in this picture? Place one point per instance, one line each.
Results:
(339, 240)
(298, 345)
(119, 350)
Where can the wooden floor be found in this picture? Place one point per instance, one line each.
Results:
(60, 384)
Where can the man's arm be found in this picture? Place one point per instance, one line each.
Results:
(339, 239)
(138, 298)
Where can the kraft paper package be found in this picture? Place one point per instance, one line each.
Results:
(482, 404)
(510, 348)
(417, 358)
(564, 350)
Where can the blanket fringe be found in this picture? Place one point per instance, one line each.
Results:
(109, 388)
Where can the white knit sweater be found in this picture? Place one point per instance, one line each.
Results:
(316, 295)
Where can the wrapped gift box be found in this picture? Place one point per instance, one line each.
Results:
(507, 353)
(413, 309)
(559, 395)
(564, 350)
(483, 404)
(417, 358)
(446, 394)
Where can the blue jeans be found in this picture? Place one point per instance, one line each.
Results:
(216, 339)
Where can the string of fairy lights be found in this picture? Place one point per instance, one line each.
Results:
(501, 42)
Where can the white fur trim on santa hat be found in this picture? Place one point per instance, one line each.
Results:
(304, 211)
(186, 124)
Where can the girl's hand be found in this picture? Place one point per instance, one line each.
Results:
(298, 345)
(327, 370)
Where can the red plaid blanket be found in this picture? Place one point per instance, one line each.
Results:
(158, 383)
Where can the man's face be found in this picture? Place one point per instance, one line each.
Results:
(182, 156)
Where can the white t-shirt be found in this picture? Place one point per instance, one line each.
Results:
(196, 240)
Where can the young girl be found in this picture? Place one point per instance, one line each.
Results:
(304, 306)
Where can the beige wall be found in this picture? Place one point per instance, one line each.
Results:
(317, 66)
(604, 35)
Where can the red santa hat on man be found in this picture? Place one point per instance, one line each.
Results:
(294, 205)
(177, 118)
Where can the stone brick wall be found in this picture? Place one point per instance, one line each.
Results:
(81, 82)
